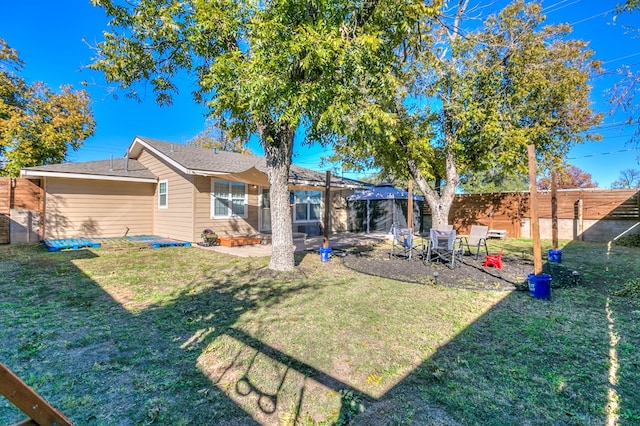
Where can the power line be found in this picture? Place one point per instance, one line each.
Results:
(603, 153)
(621, 58)
(592, 17)
(558, 6)
(615, 125)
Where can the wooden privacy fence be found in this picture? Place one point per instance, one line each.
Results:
(21, 210)
(588, 214)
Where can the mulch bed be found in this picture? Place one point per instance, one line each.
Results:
(469, 273)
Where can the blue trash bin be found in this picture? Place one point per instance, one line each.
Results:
(325, 254)
(539, 286)
(555, 256)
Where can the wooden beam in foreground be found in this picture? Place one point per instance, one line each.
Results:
(28, 401)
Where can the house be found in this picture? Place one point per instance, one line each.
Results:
(176, 191)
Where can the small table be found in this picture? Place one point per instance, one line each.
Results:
(496, 233)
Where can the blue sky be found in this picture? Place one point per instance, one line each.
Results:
(55, 41)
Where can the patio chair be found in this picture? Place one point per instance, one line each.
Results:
(477, 238)
(494, 260)
(405, 244)
(442, 246)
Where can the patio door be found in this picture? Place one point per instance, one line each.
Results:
(265, 211)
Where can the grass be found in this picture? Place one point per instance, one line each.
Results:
(190, 336)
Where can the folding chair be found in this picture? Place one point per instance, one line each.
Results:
(404, 243)
(477, 238)
(442, 246)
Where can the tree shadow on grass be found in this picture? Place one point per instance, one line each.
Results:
(121, 362)
(103, 356)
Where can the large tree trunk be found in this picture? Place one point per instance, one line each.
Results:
(277, 142)
(440, 200)
(440, 205)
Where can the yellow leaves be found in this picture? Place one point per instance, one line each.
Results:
(374, 379)
(368, 41)
(40, 126)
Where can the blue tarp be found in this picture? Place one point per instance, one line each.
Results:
(78, 243)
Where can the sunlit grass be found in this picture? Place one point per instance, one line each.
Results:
(175, 336)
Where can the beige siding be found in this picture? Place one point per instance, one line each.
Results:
(338, 212)
(223, 227)
(175, 221)
(93, 208)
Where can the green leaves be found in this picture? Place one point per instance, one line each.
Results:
(37, 126)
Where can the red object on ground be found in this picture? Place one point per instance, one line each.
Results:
(494, 260)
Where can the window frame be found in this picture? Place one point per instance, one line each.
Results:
(308, 204)
(229, 200)
(165, 193)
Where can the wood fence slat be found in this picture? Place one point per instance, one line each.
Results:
(19, 193)
(5, 208)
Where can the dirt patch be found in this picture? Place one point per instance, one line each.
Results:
(468, 271)
(404, 409)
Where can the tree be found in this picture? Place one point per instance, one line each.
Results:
(629, 178)
(569, 177)
(623, 94)
(37, 126)
(214, 137)
(628, 6)
(267, 66)
(467, 100)
(494, 180)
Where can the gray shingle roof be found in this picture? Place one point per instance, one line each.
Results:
(118, 167)
(192, 158)
(204, 159)
(208, 160)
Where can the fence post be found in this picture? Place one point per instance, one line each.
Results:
(580, 218)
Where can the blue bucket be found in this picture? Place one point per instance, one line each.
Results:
(555, 256)
(325, 254)
(539, 286)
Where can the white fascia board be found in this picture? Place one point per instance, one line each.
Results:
(35, 173)
(208, 173)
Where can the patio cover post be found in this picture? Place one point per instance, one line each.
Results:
(410, 208)
(368, 215)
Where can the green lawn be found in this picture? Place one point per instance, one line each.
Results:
(187, 336)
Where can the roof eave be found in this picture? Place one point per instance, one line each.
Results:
(323, 184)
(134, 151)
(39, 174)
